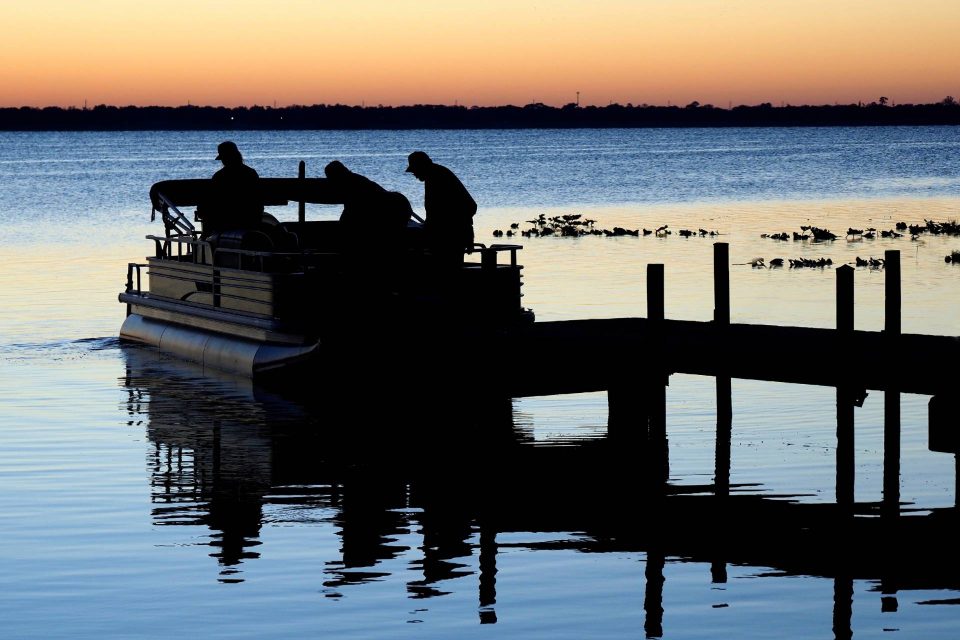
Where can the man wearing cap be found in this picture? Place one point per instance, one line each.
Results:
(449, 207)
(235, 201)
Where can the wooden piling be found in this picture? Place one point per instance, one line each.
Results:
(845, 395)
(891, 397)
(655, 292)
(721, 316)
(302, 209)
(892, 292)
(721, 283)
(656, 394)
(845, 298)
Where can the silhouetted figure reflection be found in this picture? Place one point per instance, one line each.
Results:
(449, 210)
(235, 202)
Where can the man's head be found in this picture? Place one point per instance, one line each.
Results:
(227, 153)
(418, 163)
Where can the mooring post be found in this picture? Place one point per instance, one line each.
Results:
(302, 175)
(845, 393)
(892, 295)
(721, 283)
(659, 448)
(891, 398)
(655, 292)
(721, 317)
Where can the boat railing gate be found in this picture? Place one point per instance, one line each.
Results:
(133, 268)
(488, 255)
(195, 248)
(173, 222)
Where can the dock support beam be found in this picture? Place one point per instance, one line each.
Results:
(891, 399)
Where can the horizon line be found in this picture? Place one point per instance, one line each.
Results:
(881, 101)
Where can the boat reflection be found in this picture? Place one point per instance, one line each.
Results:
(443, 481)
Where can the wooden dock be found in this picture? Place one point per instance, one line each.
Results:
(632, 359)
(591, 355)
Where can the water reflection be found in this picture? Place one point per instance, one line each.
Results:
(448, 484)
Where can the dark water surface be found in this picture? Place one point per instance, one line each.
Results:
(144, 499)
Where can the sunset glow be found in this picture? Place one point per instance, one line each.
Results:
(496, 52)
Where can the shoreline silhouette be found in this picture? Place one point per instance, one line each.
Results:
(426, 116)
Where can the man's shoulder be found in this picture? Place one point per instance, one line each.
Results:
(444, 174)
(240, 171)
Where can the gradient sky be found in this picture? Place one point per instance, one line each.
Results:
(483, 52)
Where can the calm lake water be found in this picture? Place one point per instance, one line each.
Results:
(142, 499)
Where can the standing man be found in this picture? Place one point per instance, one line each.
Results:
(449, 210)
(235, 202)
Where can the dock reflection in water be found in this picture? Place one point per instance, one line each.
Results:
(450, 482)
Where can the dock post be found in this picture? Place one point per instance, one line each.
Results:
(891, 398)
(721, 283)
(721, 317)
(845, 394)
(302, 209)
(655, 289)
(659, 446)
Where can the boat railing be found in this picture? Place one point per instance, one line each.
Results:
(489, 254)
(134, 273)
(186, 246)
(251, 292)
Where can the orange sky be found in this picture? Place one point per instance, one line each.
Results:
(489, 52)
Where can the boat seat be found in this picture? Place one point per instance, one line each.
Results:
(242, 239)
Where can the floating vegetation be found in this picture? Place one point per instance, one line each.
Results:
(871, 262)
(795, 263)
(915, 230)
(575, 225)
(800, 263)
(808, 232)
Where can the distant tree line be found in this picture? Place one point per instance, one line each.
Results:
(535, 115)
